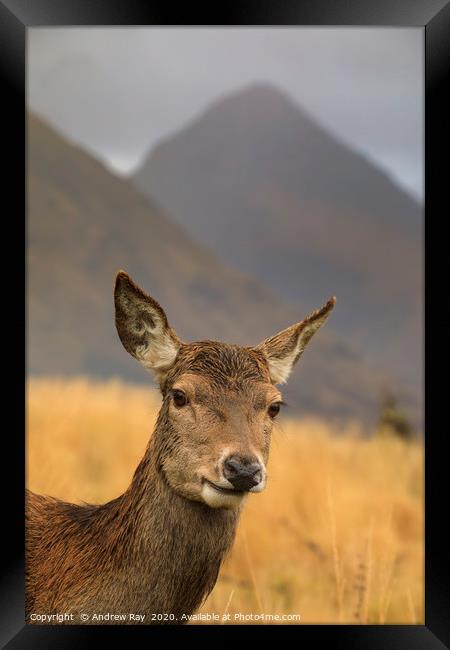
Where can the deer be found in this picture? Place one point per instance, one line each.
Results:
(156, 550)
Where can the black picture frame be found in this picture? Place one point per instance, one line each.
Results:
(434, 16)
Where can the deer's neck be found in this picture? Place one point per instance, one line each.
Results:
(168, 547)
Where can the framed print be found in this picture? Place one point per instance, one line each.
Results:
(230, 419)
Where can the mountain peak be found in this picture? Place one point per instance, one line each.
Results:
(258, 101)
(270, 190)
(259, 91)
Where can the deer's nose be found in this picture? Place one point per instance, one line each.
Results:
(243, 473)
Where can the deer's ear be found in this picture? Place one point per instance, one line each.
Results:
(283, 350)
(143, 327)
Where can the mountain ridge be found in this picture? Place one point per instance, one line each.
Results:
(274, 194)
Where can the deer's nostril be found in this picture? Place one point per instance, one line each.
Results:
(232, 466)
(242, 473)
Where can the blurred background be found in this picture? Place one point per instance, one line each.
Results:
(241, 176)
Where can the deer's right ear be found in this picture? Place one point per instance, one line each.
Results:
(143, 327)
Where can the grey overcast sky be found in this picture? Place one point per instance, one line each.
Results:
(118, 91)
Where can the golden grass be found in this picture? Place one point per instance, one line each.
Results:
(336, 537)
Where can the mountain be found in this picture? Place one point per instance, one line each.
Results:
(275, 195)
(84, 224)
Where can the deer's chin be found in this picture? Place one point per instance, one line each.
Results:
(217, 497)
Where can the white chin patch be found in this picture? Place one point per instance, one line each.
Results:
(216, 499)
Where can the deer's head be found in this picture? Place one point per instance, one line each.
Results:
(219, 400)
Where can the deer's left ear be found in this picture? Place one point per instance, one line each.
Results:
(283, 350)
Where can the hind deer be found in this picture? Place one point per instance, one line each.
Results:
(156, 550)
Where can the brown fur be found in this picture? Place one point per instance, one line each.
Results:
(158, 547)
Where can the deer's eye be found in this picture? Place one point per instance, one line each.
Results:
(179, 397)
(274, 409)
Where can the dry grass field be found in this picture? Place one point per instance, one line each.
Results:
(337, 536)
